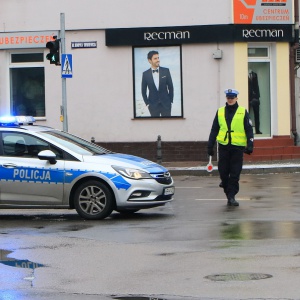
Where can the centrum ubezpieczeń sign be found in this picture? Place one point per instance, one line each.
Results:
(263, 12)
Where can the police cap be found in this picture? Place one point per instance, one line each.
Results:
(231, 93)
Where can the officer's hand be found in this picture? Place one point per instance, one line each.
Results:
(210, 151)
(248, 150)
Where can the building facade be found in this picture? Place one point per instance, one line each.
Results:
(207, 46)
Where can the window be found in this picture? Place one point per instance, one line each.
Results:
(18, 144)
(258, 52)
(27, 84)
(27, 57)
(259, 89)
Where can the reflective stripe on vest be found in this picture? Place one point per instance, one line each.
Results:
(238, 135)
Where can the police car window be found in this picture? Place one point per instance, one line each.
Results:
(23, 145)
(9, 142)
(75, 143)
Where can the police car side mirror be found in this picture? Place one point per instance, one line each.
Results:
(47, 155)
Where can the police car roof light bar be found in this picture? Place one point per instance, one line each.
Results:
(25, 120)
(15, 121)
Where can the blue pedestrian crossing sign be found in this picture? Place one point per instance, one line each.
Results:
(66, 66)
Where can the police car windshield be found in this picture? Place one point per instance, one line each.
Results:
(74, 143)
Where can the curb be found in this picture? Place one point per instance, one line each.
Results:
(247, 169)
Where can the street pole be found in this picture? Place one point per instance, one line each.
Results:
(63, 80)
(293, 75)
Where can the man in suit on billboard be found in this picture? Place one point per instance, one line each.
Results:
(157, 87)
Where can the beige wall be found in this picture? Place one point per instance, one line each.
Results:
(241, 71)
(30, 15)
(283, 89)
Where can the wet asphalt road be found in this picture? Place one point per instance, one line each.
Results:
(194, 248)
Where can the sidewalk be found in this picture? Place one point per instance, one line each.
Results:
(198, 168)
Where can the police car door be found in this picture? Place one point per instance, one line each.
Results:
(24, 178)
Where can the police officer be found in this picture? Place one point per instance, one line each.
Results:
(232, 128)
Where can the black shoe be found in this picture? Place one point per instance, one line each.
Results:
(258, 132)
(232, 202)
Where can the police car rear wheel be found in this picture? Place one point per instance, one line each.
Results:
(93, 200)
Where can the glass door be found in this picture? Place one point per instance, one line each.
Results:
(259, 94)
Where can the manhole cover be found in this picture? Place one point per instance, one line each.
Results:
(238, 276)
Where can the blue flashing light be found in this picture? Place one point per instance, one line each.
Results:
(8, 121)
(15, 121)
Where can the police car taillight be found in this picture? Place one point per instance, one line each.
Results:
(15, 121)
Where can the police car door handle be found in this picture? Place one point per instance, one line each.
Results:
(9, 166)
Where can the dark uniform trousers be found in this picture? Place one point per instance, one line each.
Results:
(230, 166)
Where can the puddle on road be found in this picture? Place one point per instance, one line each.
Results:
(258, 230)
(18, 263)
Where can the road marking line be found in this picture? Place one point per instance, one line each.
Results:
(239, 199)
(192, 187)
(210, 199)
(280, 187)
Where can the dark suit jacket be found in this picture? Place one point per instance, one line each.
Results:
(253, 87)
(165, 93)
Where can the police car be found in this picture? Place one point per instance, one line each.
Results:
(41, 167)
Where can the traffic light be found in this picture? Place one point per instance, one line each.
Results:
(54, 55)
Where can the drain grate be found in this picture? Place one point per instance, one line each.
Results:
(237, 276)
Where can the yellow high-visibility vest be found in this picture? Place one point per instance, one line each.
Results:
(237, 132)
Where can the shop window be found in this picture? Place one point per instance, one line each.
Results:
(27, 57)
(27, 85)
(259, 90)
(258, 52)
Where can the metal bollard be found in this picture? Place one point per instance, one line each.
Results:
(158, 150)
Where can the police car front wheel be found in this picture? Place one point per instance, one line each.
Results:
(93, 200)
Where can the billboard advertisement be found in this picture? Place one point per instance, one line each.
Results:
(263, 12)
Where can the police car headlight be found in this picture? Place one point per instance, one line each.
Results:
(132, 173)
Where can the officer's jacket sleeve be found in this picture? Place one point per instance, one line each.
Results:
(248, 129)
(214, 132)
